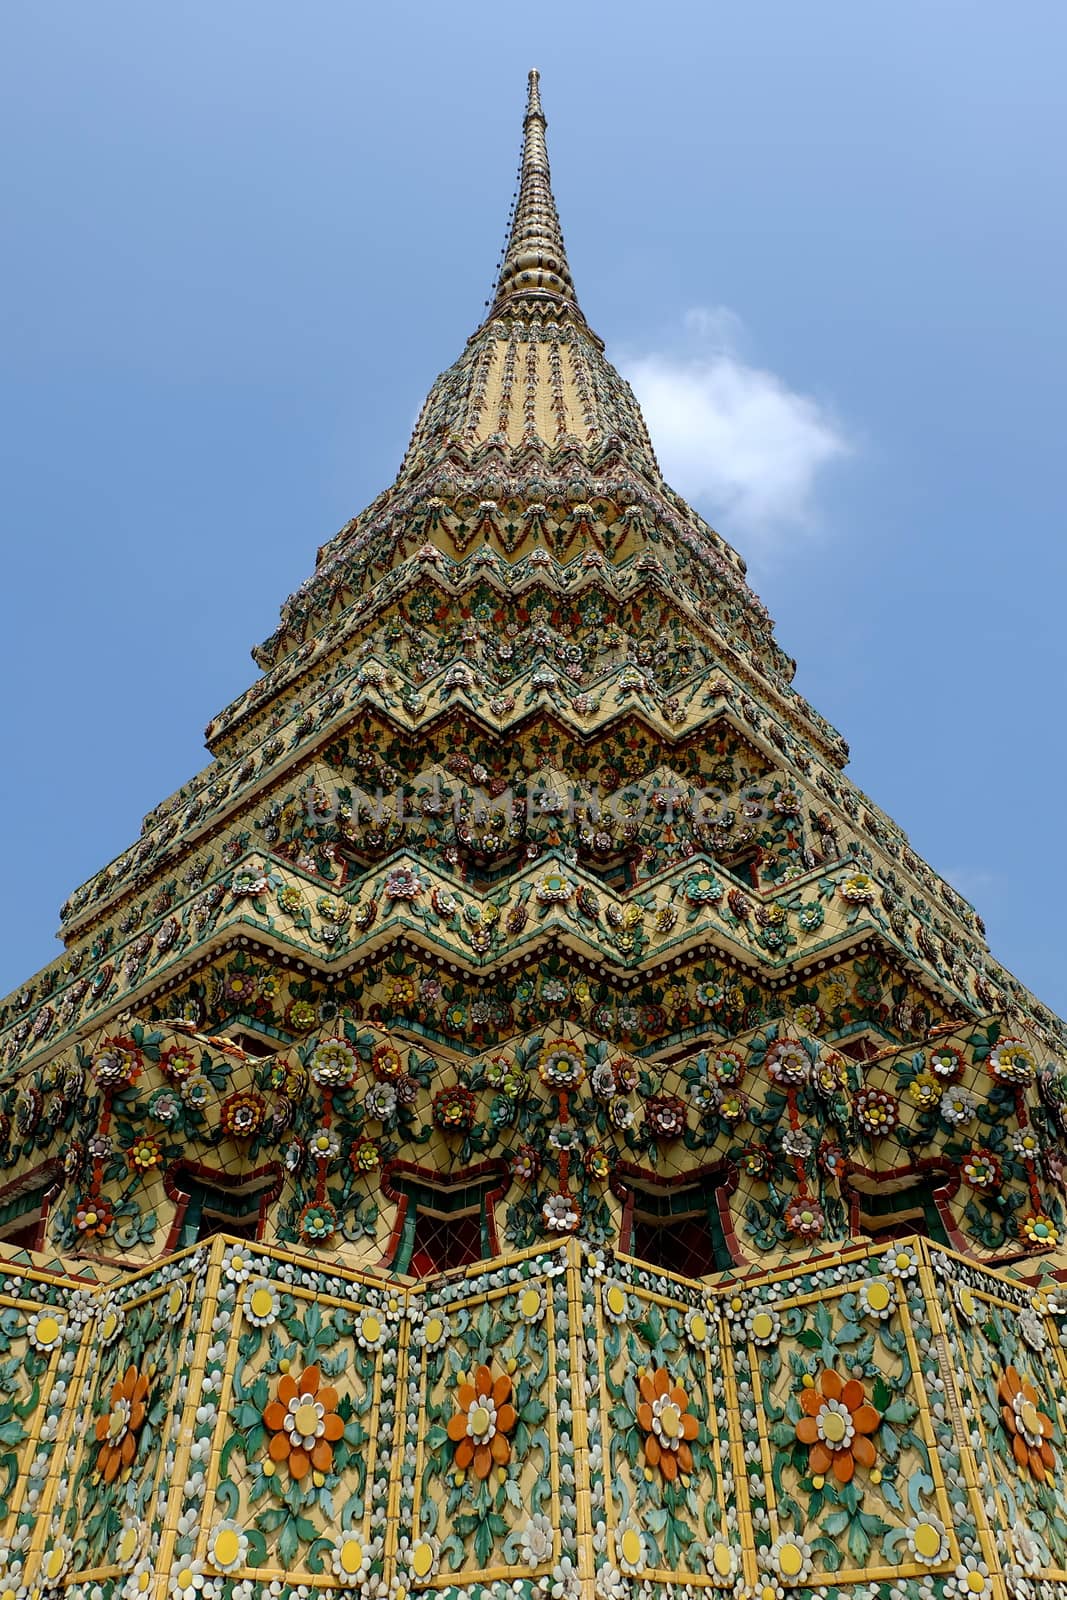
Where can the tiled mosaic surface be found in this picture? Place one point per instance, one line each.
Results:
(559, 1423)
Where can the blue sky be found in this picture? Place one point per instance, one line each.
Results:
(827, 242)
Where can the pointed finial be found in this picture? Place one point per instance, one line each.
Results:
(535, 262)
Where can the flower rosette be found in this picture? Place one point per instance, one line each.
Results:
(702, 889)
(386, 1062)
(925, 1091)
(1039, 1231)
(837, 1423)
(733, 1108)
(303, 1423)
(804, 1218)
(788, 1063)
(809, 1019)
(116, 1064)
(665, 1116)
(403, 883)
(145, 1153)
(876, 1112)
(178, 1062)
(597, 1163)
(725, 1067)
(300, 1016)
(93, 1217)
(364, 1156)
(317, 1223)
(670, 1429)
(829, 1074)
(1029, 1429)
(117, 1432)
(560, 1213)
(333, 1064)
(454, 1109)
(507, 1076)
(561, 1065)
(242, 1115)
(526, 1163)
(480, 1426)
(946, 1063)
(1012, 1061)
(981, 1170)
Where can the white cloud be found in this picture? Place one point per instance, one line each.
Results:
(734, 438)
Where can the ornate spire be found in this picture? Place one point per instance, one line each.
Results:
(535, 262)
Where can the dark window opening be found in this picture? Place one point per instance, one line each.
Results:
(23, 1217)
(253, 1045)
(744, 866)
(858, 1048)
(444, 1230)
(618, 873)
(482, 872)
(212, 1210)
(440, 1244)
(903, 1212)
(680, 1231)
(25, 1236)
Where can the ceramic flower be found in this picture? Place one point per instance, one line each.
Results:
(117, 1431)
(454, 1109)
(1012, 1062)
(561, 1066)
(480, 1426)
(561, 1213)
(242, 1115)
(145, 1153)
(303, 1423)
(788, 1063)
(804, 1217)
(318, 1222)
(333, 1064)
(668, 1425)
(876, 1111)
(837, 1424)
(1029, 1429)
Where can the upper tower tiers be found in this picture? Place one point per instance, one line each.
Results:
(534, 411)
(534, 375)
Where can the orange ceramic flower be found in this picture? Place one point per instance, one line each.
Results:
(1028, 1427)
(303, 1423)
(480, 1427)
(117, 1432)
(669, 1426)
(837, 1423)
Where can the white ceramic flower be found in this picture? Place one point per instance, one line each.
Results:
(901, 1263)
(536, 1541)
(433, 1331)
(531, 1303)
(788, 1558)
(260, 1303)
(140, 1580)
(877, 1299)
(615, 1302)
(610, 1584)
(227, 1546)
(187, 1580)
(350, 1561)
(630, 1548)
(698, 1327)
(45, 1331)
(237, 1265)
(324, 1145)
(371, 1331)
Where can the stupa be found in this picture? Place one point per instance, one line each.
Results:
(520, 1121)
